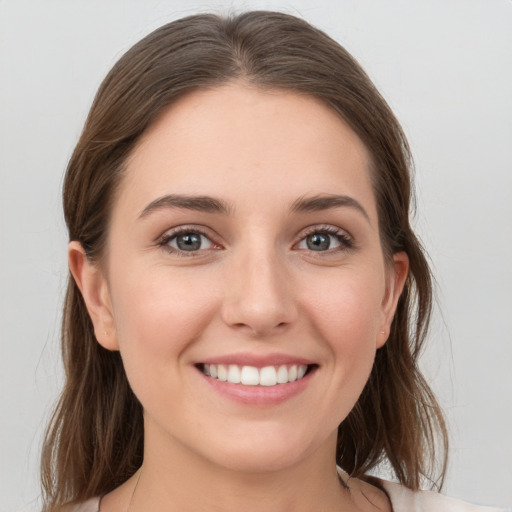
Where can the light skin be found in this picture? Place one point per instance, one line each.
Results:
(245, 229)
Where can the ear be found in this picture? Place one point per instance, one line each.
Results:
(395, 281)
(93, 286)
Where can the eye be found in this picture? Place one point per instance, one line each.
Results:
(186, 241)
(319, 242)
(325, 239)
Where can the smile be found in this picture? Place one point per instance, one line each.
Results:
(253, 376)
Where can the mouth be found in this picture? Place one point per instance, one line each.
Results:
(267, 376)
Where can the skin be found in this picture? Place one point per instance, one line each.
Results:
(255, 287)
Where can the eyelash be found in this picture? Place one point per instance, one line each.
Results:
(165, 240)
(345, 240)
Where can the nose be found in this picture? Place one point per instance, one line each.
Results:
(258, 295)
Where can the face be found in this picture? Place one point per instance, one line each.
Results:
(244, 246)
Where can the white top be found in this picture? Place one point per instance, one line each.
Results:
(402, 500)
(405, 500)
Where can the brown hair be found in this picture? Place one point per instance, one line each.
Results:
(95, 439)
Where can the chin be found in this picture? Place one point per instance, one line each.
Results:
(260, 461)
(265, 451)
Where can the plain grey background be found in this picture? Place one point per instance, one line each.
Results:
(445, 67)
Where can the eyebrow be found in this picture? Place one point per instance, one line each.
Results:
(212, 205)
(325, 202)
(197, 203)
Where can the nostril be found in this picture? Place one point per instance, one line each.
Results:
(259, 307)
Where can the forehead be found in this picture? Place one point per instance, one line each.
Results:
(238, 142)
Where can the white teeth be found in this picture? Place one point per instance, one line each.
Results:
(252, 376)
(222, 373)
(268, 376)
(234, 374)
(282, 375)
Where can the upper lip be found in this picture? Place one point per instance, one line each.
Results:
(257, 360)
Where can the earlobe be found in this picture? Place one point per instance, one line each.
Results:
(93, 287)
(395, 282)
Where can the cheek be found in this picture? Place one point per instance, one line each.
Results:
(345, 311)
(157, 318)
(158, 315)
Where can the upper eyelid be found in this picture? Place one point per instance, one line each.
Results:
(318, 228)
(173, 232)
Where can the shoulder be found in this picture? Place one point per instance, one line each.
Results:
(405, 500)
(92, 505)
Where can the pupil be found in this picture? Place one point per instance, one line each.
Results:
(189, 242)
(318, 242)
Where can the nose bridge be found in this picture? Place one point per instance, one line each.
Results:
(258, 292)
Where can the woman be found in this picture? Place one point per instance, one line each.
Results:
(248, 300)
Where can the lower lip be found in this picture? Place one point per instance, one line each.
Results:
(258, 395)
